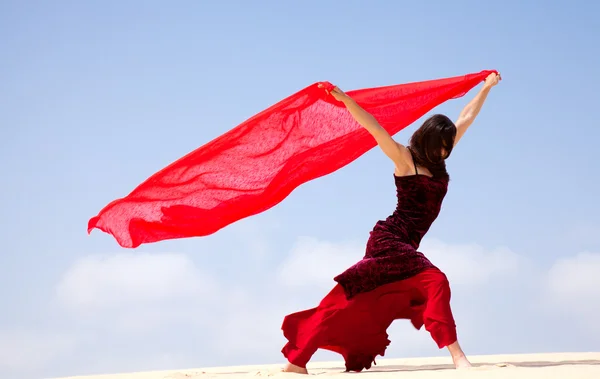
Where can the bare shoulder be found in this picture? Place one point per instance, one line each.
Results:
(404, 164)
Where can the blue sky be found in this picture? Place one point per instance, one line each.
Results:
(98, 95)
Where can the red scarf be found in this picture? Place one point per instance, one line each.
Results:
(260, 162)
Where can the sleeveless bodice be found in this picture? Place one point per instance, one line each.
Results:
(419, 202)
(391, 252)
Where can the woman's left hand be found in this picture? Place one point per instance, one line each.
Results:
(492, 79)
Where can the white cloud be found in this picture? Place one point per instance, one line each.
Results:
(314, 263)
(470, 265)
(573, 288)
(249, 324)
(156, 301)
(30, 350)
(134, 294)
(107, 282)
(576, 277)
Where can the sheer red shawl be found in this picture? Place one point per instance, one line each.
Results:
(260, 162)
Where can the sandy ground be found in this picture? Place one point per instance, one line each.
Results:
(530, 366)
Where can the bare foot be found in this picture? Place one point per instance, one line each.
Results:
(461, 362)
(458, 356)
(295, 369)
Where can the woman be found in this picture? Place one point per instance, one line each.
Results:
(393, 280)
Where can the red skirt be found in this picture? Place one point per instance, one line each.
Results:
(357, 328)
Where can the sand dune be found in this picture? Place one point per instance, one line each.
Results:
(530, 366)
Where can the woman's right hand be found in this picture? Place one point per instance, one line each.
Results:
(337, 93)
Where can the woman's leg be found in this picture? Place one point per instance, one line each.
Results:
(458, 356)
(437, 316)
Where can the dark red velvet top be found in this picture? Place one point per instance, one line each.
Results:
(391, 252)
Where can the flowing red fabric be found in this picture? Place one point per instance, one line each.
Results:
(357, 328)
(260, 162)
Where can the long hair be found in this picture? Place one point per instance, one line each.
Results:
(432, 144)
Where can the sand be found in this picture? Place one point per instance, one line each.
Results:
(530, 366)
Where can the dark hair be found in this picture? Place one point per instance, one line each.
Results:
(428, 142)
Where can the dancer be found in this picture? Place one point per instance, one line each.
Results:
(393, 280)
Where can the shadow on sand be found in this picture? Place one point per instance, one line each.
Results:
(476, 366)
